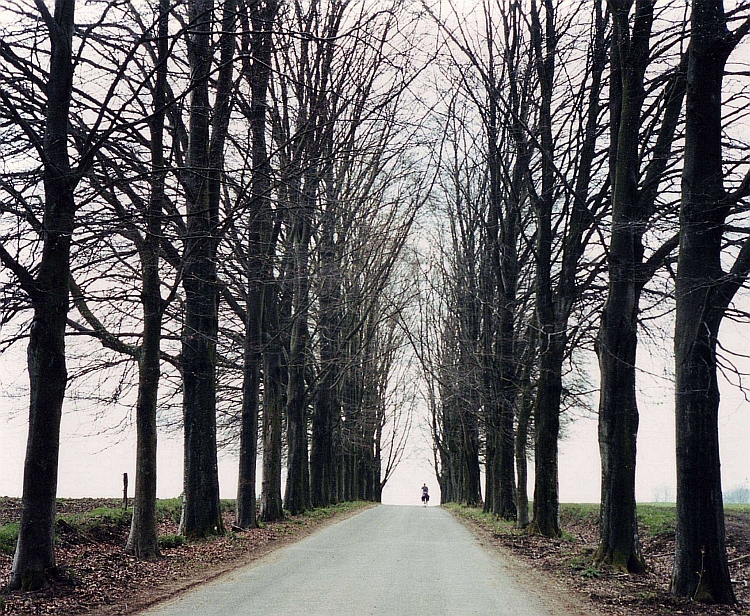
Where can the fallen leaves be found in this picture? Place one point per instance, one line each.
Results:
(570, 560)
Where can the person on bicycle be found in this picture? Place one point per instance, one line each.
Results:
(425, 494)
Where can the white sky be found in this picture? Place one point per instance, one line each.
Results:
(92, 465)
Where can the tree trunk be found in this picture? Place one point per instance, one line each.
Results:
(472, 491)
(327, 407)
(245, 514)
(503, 231)
(49, 295)
(618, 336)
(260, 224)
(143, 541)
(522, 437)
(552, 336)
(547, 429)
(297, 483)
(201, 514)
(271, 508)
(703, 292)
(618, 427)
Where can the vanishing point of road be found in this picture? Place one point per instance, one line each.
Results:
(387, 560)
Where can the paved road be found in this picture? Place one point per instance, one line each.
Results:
(387, 561)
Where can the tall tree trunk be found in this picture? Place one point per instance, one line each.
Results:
(471, 489)
(49, 296)
(327, 406)
(547, 429)
(201, 514)
(271, 508)
(246, 506)
(297, 483)
(522, 429)
(143, 538)
(552, 338)
(505, 505)
(554, 304)
(703, 292)
(502, 231)
(618, 336)
(260, 224)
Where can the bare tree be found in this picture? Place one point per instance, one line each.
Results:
(704, 292)
(143, 538)
(634, 204)
(259, 29)
(48, 109)
(48, 291)
(556, 296)
(202, 179)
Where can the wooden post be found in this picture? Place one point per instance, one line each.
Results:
(125, 491)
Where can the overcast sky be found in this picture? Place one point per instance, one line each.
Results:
(92, 464)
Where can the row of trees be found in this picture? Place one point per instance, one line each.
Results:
(219, 196)
(586, 154)
(225, 192)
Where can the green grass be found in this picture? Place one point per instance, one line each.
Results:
(657, 518)
(95, 518)
(169, 508)
(322, 513)
(579, 512)
(488, 520)
(8, 538)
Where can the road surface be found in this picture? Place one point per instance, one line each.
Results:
(387, 561)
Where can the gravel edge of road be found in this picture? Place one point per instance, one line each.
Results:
(546, 588)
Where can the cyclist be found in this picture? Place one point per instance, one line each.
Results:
(425, 495)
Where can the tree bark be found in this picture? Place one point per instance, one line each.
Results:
(522, 430)
(271, 508)
(259, 232)
(619, 545)
(327, 406)
(703, 293)
(201, 514)
(554, 303)
(49, 294)
(552, 335)
(546, 506)
(297, 484)
(246, 506)
(143, 539)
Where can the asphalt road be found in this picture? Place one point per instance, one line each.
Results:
(387, 560)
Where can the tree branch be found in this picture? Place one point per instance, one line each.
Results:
(98, 329)
(26, 280)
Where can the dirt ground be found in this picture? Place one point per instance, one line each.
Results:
(95, 576)
(569, 560)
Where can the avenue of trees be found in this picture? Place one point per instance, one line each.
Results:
(592, 178)
(251, 220)
(205, 204)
